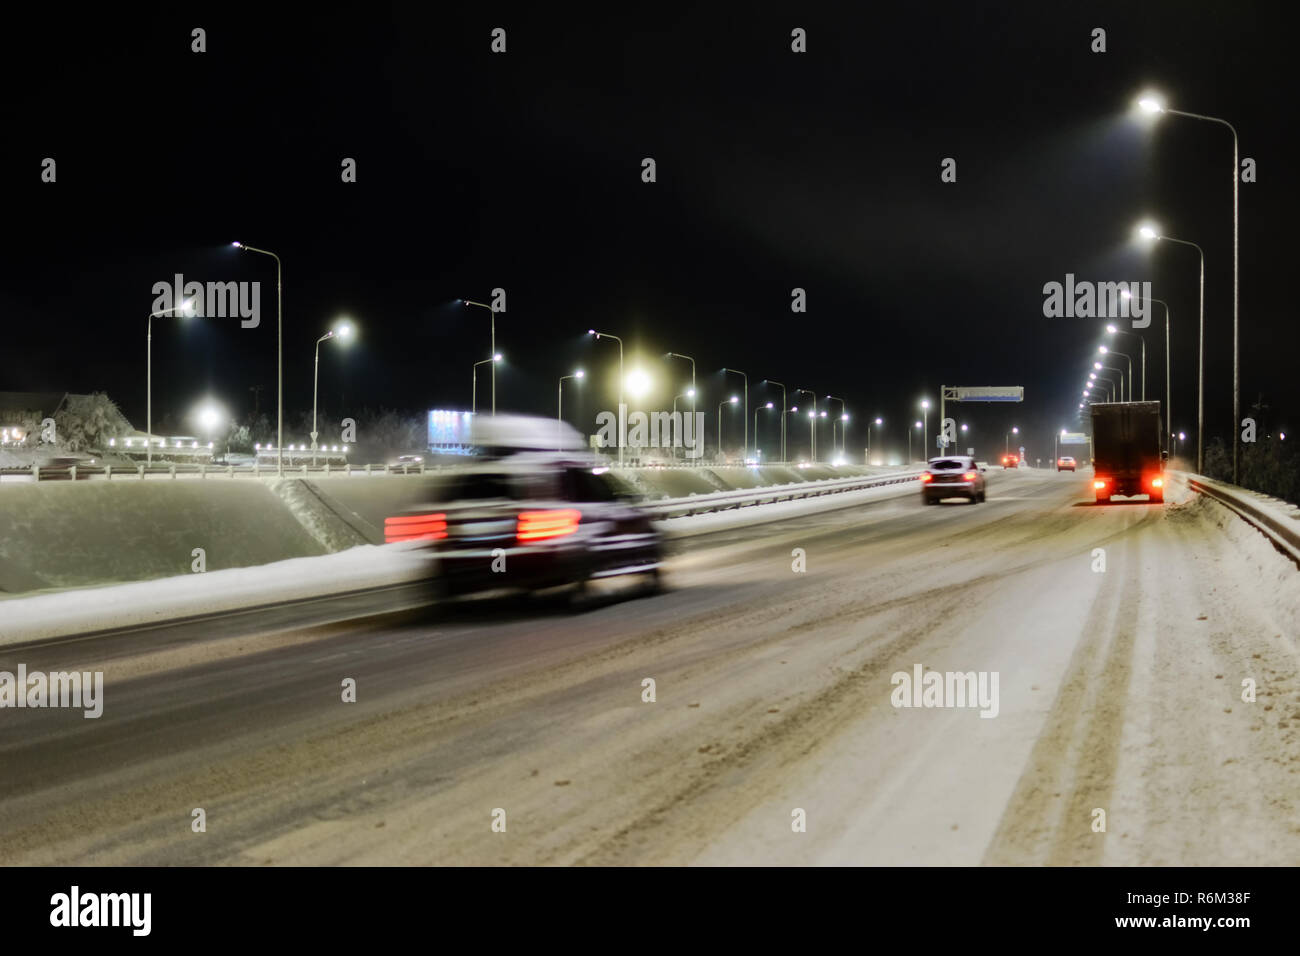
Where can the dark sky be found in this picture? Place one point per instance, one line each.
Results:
(522, 170)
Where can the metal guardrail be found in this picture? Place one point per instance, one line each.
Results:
(174, 470)
(1260, 511)
(726, 500)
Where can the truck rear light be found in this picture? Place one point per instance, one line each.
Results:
(544, 525)
(1099, 483)
(1157, 482)
(414, 527)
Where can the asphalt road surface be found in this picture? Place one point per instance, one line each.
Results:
(1119, 691)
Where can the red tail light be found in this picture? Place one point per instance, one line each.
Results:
(414, 527)
(1157, 482)
(1099, 483)
(969, 476)
(927, 477)
(543, 525)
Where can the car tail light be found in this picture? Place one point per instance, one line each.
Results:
(1099, 483)
(926, 476)
(543, 525)
(969, 476)
(1157, 482)
(414, 527)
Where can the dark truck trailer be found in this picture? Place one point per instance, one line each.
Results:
(1126, 450)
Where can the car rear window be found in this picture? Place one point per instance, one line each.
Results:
(948, 464)
(486, 487)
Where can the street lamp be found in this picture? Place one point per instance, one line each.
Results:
(730, 401)
(1150, 232)
(474, 399)
(1168, 379)
(1006, 444)
(784, 412)
(745, 453)
(279, 355)
(696, 437)
(1154, 104)
(182, 309)
(692, 391)
(812, 425)
(1103, 350)
(925, 429)
(559, 403)
(963, 432)
(1114, 330)
(483, 305)
(758, 409)
(843, 418)
(1117, 370)
(915, 427)
(621, 423)
(342, 331)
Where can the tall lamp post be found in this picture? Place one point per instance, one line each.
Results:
(925, 427)
(784, 412)
(559, 403)
(691, 393)
(1104, 350)
(279, 356)
(474, 398)
(916, 427)
(1115, 330)
(745, 454)
(1006, 444)
(1168, 379)
(1150, 232)
(726, 401)
(484, 305)
(342, 330)
(1118, 371)
(843, 417)
(812, 425)
(182, 309)
(621, 424)
(757, 409)
(1153, 104)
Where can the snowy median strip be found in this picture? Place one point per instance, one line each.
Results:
(139, 603)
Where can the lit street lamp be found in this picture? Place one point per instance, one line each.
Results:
(730, 401)
(844, 418)
(1151, 233)
(1103, 350)
(812, 425)
(784, 412)
(621, 423)
(1168, 378)
(1006, 445)
(1153, 104)
(183, 309)
(925, 428)
(1114, 330)
(279, 356)
(1118, 371)
(342, 330)
(917, 427)
(691, 393)
(483, 305)
(474, 398)
(745, 416)
(559, 403)
(757, 409)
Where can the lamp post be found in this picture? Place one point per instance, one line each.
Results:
(1103, 350)
(1168, 379)
(915, 427)
(1114, 330)
(745, 453)
(559, 404)
(474, 398)
(758, 409)
(691, 393)
(784, 412)
(1150, 232)
(925, 427)
(812, 425)
(728, 401)
(279, 356)
(183, 309)
(621, 423)
(843, 414)
(483, 305)
(1006, 444)
(1117, 370)
(342, 330)
(1153, 104)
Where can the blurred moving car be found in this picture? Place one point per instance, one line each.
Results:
(954, 476)
(1011, 460)
(1064, 463)
(527, 519)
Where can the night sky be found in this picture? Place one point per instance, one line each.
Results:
(775, 170)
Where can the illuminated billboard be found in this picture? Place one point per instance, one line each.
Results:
(449, 431)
